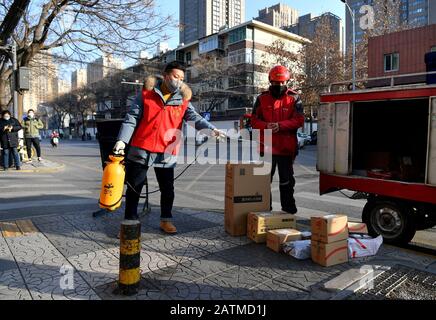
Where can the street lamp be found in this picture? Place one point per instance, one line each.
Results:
(352, 14)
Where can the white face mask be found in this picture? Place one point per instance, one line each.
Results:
(6, 118)
(31, 115)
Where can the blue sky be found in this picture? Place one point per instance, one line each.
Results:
(315, 7)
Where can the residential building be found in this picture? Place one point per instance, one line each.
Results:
(279, 15)
(412, 14)
(78, 79)
(200, 18)
(43, 82)
(103, 67)
(307, 26)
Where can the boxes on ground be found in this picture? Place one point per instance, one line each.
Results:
(244, 192)
(259, 223)
(357, 227)
(330, 228)
(275, 238)
(329, 254)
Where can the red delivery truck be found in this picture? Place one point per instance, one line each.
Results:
(381, 142)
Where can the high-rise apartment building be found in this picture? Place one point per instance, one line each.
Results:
(200, 18)
(279, 15)
(102, 67)
(78, 79)
(411, 13)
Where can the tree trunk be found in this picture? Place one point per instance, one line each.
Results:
(4, 97)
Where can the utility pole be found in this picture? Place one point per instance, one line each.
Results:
(17, 113)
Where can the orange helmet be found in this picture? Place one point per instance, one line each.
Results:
(279, 74)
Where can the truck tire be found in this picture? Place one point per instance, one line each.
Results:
(393, 220)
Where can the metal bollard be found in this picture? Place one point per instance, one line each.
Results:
(130, 255)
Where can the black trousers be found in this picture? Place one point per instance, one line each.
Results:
(35, 142)
(136, 175)
(287, 181)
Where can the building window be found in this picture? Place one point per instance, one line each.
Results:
(237, 35)
(391, 62)
(188, 58)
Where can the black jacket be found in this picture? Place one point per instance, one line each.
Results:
(9, 139)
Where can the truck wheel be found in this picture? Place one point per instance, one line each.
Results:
(394, 221)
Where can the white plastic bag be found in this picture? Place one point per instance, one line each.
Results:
(298, 249)
(359, 247)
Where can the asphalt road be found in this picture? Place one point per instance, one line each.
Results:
(77, 187)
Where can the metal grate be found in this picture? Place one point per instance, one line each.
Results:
(400, 283)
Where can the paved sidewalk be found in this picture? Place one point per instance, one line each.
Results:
(44, 165)
(200, 262)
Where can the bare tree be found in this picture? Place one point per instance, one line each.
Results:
(386, 20)
(78, 27)
(278, 53)
(323, 65)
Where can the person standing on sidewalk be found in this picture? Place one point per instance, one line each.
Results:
(31, 126)
(9, 128)
(280, 109)
(149, 128)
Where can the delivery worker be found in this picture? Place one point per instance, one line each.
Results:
(280, 109)
(158, 110)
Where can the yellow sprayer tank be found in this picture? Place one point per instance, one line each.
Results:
(112, 184)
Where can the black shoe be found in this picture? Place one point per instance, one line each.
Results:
(291, 210)
(18, 168)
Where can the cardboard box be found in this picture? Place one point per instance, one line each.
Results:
(275, 238)
(259, 223)
(357, 227)
(378, 160)
(330, 228)
(244, 193)
(329, 254)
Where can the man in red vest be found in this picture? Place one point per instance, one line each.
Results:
(280, 109)
(150, 128)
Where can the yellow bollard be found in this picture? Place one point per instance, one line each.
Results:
(130, 257)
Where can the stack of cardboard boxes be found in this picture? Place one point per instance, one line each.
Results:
(247, 212)
(329, 243)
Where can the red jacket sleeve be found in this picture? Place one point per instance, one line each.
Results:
(297, 119)
(256, 118)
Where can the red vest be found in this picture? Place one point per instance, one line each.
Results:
(273, 110)
(155, 132)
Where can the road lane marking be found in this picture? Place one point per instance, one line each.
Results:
(189, 186)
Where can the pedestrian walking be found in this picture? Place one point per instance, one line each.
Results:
(31, 126)
(9, 128)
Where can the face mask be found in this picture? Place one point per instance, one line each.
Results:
(277, 91)
(31, 115)
(173, 85)
(6, 118)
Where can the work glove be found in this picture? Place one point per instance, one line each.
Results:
(219, 135)
(119, 148)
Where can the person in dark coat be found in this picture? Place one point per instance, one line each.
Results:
(9, 128)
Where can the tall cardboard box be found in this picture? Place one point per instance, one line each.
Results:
(330, 228)
(275, 238)
(259, 223)
(357, 227)
(244, 193)
(329, 254)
